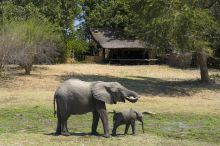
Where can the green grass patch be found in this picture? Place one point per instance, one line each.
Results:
(26, 119)
(39, 119)
(185, 126)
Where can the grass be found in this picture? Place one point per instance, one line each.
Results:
(178, 126)
(40, 120)
(188, 113)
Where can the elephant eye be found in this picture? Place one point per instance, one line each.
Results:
(120, 90)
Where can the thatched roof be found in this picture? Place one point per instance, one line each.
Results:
(114, 39)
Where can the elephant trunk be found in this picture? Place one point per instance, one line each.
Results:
(132, 94)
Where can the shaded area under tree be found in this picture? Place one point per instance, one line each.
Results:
(151, 86)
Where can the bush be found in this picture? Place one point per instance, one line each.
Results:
(31, 41)
(5, 49)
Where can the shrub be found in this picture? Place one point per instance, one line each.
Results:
(31, 41)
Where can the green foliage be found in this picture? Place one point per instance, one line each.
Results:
(115, 14)
(13, 12)
(59, 12)
(33, 30)
(191, 28)
(183, 25)
(175, 24)
(108, 14)
(77, 46)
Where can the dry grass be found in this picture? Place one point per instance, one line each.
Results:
(163, 90)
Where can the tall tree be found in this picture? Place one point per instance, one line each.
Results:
(181, 25)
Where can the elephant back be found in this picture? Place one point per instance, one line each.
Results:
(76, 95)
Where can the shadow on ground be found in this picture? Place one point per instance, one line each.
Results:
(86, 134)
(143, 85)
(150, 86)
(71, 134)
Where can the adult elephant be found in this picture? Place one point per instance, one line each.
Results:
(79, 97)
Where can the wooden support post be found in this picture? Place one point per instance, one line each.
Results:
(151, 55)
(103, 54)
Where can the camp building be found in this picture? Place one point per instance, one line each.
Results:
(114, 46)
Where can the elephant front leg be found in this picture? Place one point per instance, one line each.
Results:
(115, 126)
(95, 123)
(100, 106)
(114, 129)
(104, 118)
(126, 128)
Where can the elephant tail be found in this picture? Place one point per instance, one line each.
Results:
(54, 106)
(149, 113)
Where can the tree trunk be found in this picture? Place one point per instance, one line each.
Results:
(202, 60)
(73, 57)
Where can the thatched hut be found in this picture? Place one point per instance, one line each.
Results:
(115, 46)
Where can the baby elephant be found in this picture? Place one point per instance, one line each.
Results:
(128, 118)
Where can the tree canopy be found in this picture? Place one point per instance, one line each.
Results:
(162, 24)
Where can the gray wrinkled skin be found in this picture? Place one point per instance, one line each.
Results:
(128, 118)
(79, 97)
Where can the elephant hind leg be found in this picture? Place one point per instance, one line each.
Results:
(62, 115)
(58, 130)
(64, 129)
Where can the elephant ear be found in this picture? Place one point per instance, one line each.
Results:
(100, 91)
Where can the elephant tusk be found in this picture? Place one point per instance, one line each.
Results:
(132, 99)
